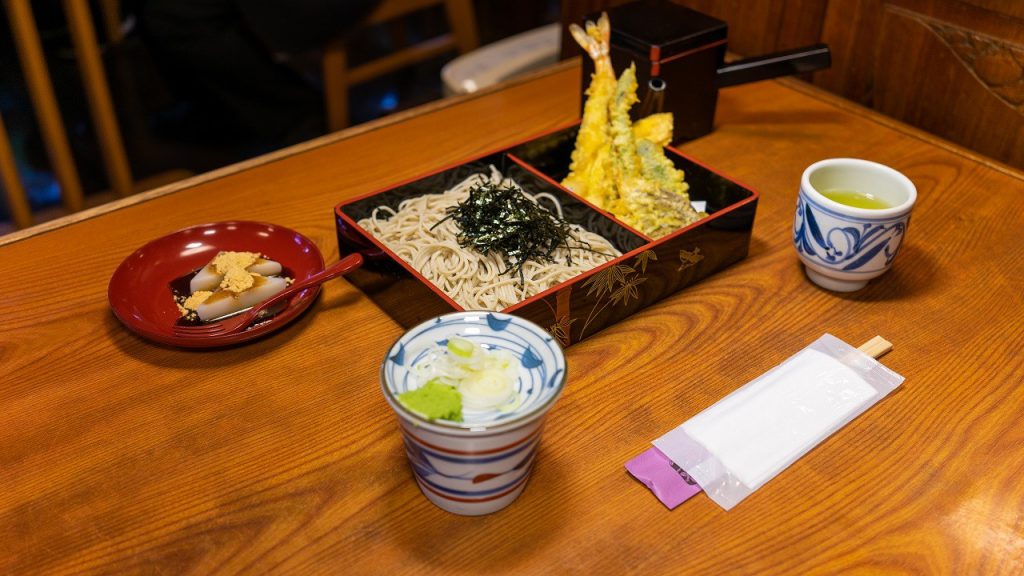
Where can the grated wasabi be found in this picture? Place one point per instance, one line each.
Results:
(434, 401)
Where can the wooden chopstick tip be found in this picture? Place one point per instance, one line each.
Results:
(876, 347)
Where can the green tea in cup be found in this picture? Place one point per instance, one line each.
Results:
(856, 199)
(850, 220)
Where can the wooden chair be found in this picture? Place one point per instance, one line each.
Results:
(339, 77)
(37, 78)
(16, 199)
(101, 108)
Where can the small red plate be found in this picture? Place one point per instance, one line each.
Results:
(140, 291)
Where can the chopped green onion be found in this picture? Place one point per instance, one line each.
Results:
(461, 347)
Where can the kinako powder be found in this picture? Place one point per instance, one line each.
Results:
(236, 279)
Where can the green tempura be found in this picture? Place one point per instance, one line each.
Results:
(434, 401)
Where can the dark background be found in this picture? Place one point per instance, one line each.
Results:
(166, 122)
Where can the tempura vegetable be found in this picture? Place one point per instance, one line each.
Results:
(618, 165)
(657, 128)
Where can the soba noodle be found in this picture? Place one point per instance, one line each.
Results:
(477, 281)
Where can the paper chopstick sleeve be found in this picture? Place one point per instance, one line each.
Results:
(744, 440)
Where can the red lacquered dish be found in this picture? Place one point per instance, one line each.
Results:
(140, 289)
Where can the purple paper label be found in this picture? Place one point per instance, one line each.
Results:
(670, 483)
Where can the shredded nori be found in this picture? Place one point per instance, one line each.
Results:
(500, 218)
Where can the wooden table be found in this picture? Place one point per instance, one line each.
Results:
(117, 455)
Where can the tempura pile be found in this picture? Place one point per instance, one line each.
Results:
(620, 166)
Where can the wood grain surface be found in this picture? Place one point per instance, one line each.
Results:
(120, 456)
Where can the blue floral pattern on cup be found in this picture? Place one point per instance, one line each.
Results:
(844, 243)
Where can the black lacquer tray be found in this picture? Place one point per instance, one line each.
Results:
(648, 270)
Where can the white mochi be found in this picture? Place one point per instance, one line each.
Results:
(206, 279)
(223, 302)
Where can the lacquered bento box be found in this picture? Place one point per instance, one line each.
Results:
(647, 271)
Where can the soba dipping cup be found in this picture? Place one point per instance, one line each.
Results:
(482, 464)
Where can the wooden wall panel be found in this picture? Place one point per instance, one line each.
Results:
(851, 29)
(1013, 8)
(956, 83)
(759, 27)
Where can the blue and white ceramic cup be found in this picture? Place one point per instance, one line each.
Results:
(841, 246)
(482, 464)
